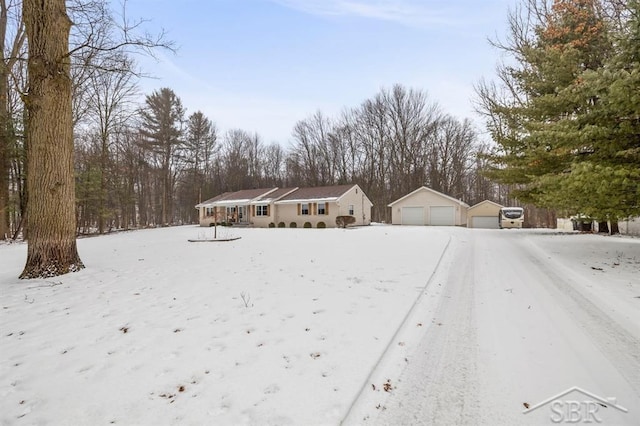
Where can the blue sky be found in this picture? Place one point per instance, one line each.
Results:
(262, 65)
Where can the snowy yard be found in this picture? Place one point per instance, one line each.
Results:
(374, 325)
(156, 330)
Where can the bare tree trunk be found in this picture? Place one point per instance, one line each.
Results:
(52, 223)
(614, 229)
(4, 128)
(603, 226)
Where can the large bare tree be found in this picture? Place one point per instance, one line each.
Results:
(52, 230)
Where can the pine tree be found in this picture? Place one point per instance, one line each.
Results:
(568, 132)
(162, 127)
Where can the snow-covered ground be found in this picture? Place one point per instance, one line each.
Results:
(373, 325)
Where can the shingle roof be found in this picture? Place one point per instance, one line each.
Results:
(243, 195)
(424, 188)
(317, 193)
(253, 196)
(211, 200)
(486, 202)
(275, 195)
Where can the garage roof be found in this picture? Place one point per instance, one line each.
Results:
(424, 188)
(486, 202)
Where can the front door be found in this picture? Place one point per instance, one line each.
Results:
(242, 214)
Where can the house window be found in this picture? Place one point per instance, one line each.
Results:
(262, 210)
(322, 208)
(304, 210)
(350, 209)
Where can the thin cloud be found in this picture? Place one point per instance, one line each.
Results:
(404, 12)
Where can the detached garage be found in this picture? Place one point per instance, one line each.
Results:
(425, 206)
(484, 215)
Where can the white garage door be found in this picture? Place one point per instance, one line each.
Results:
(413, 215)
(489, 222)
(442, 216)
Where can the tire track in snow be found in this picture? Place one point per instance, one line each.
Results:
(616, 343)
(439, 384)
(391, 360)
(434, 371)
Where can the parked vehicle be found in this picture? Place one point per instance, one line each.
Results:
(511, 217)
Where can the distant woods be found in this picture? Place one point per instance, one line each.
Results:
(562, 114)
(144, 160)
(162, 160)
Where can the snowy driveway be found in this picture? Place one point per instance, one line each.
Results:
(382, 325)
(517, 317)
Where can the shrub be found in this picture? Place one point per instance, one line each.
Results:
(321, 225)
(293, 225)
(281, 225)
(212, 224)
(307, 225)
(344, 221)
(272, 225)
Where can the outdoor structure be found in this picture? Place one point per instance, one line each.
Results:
(484, 215)
(425, 206)
(630, 226)
(292, 207)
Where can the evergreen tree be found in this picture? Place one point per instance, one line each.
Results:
(604, 178)
(567, 130)
(162, 128)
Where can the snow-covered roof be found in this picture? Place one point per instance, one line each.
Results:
(317, 194)
(306, 200)
(273, 196)
(243, 196)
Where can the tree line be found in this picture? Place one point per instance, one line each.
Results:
(143, 160)
(154, 167)
(81, 150)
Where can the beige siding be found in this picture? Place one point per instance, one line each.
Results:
(428, 199)
(262, 221)
(483, 208)
(288, 212)
(361, 206)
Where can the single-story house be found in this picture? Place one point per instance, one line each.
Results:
(425, 206)
(262, 207)
(484, 215)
